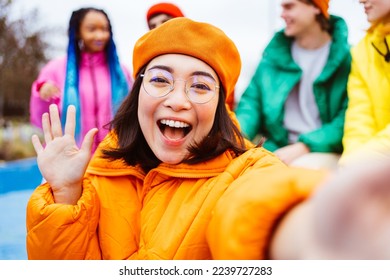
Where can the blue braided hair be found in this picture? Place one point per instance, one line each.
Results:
(119, 84)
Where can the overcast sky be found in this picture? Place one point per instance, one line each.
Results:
(249, 23)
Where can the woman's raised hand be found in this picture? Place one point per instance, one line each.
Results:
(49, 91)
(60, 161)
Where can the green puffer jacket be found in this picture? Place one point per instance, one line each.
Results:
(261, 108)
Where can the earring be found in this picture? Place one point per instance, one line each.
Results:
(81, 44)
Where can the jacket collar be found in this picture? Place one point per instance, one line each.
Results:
(93, 59)
(104, 167)
(278, 51)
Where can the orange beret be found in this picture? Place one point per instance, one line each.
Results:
(164, 8)
(197, 39)
(323, 5)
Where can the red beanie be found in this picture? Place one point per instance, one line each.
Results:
(197, 39)
(164, 8)
(323, 5)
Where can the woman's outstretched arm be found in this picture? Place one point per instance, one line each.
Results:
(348, 217)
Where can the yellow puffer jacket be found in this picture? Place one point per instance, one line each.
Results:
(225, 208)
(367, 123)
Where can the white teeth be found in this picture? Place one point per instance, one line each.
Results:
(173, 123)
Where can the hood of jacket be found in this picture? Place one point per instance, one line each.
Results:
(103, 167)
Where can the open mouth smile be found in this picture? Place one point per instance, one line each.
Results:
(174, 130)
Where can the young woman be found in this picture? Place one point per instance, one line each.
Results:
(90, 77)
(173, 179)
(367, 120)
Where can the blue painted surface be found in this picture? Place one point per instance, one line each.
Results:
(13, 225)
(19, 175)
(18, 179)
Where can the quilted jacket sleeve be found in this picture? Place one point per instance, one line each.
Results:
(59, 231)
(53, 72)
(245, 218)
(328, 138)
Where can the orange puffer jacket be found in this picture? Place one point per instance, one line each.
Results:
(172, 212)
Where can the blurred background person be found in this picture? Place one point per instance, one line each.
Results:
(297, 97)
(367, 120)
(90, 76)
(161, 12)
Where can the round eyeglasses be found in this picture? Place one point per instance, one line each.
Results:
(199, 88)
